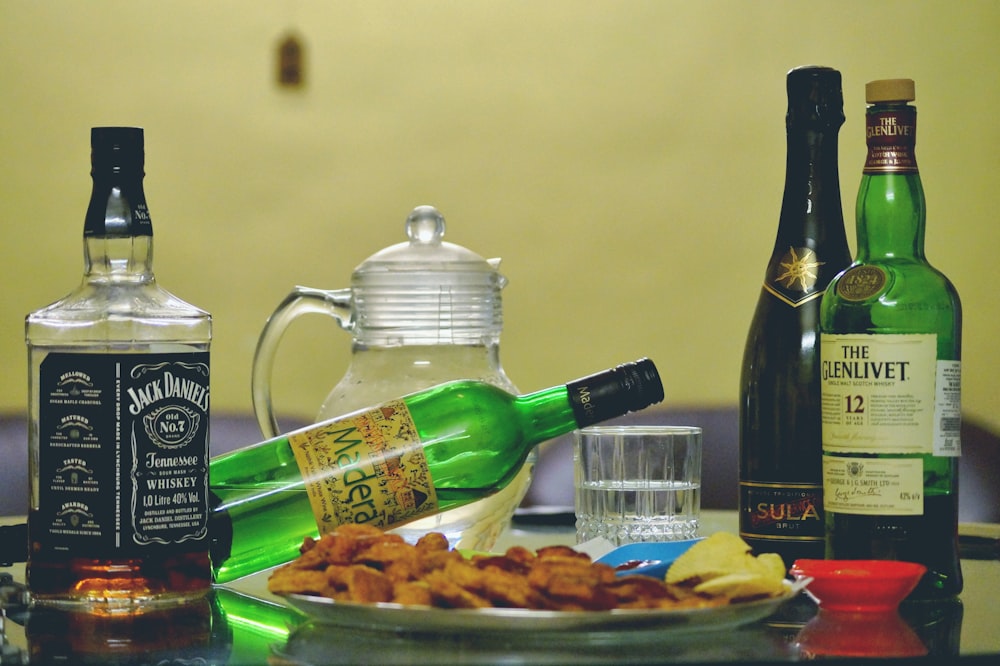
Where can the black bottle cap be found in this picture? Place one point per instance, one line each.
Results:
(117, 205)
(815, 97)
(116, 149)
(626, 388)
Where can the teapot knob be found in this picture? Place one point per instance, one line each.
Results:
(425, 225)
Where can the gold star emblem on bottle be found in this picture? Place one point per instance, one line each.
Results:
(793, 279)
(801, 270)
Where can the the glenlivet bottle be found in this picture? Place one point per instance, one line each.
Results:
(891, 331)
(118, 405)
(396, 462)
(781, 500)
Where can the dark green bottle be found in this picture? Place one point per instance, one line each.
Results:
(781, 503)
(891, 331)
(405, 459)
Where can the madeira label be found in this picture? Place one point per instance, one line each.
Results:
(123, 461)
(366, 468)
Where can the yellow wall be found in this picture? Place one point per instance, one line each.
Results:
(624, 158)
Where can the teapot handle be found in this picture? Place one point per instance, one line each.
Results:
(302, 300)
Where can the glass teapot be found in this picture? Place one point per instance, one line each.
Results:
(421, 312)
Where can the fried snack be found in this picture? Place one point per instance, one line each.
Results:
(502, 588)
(299, 581)
(412, 594)
(724, 566)
(573, 584)
(639, 592)
(365, 565)
(445, 593)
(367, 585)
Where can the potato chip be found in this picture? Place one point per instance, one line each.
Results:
(741, 586)
(720, 554)
(723, 565)
(772, 564)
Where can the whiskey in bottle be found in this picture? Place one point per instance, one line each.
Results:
(781, 502)
(891, 331)
(118, 413)
(385, 466)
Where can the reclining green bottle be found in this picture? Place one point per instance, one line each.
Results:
(399, 461)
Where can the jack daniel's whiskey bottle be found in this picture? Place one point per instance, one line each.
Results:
(118, 402)
(781, 501)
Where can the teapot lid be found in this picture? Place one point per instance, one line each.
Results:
(426, 290)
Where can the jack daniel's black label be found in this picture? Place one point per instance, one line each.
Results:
(123, 454)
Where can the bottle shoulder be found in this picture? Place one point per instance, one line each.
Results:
(905, 278)
(914, 297)
(797, 274)
(119, 310)
(780, 349)
(118, 298)
(777, 312)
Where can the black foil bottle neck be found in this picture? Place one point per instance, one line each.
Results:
(812, 123)
(811, 210)
(117, 206)
(815, 100)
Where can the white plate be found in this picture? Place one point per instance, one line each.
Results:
(397, 617)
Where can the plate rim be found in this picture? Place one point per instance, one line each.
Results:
(395, 616)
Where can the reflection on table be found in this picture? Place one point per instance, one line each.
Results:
(244, 624)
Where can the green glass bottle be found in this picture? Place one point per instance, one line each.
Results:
(781, 481)
(891, 370)
(427, 452)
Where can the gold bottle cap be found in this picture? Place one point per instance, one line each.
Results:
(890, 90)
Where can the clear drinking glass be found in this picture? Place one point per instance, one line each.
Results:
(637, 483)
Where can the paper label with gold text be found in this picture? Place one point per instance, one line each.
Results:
(878, 393)
(873, 486)
(367, 468)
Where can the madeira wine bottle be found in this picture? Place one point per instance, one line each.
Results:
(433, 450)
(891, 331)
(781, 503)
